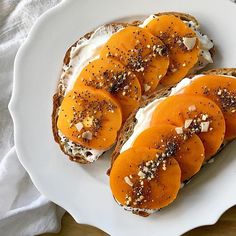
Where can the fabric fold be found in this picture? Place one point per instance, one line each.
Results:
(23, 209)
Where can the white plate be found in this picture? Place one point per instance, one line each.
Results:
(83, 190)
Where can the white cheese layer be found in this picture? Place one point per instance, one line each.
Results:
(148, 211)
(87, 50)
(205, 45)
(74, 149)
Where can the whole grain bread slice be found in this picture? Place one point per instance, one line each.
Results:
(129, 125)
(61, 88)
(62, 85)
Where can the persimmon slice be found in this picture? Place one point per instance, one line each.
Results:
(90, 117)
(137, 181)
(140, 52)
(186, 148)
(222, 90)
(182, 43)
(196, 114)
(110, 75)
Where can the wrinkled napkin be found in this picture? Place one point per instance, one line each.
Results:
(23, 210)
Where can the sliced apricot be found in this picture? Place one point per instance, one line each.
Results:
(112, 76)
(140, 52)
(186, 148)
(138, 181)
(222, 90)
(196, 114)
(182, 43)
(90, 117)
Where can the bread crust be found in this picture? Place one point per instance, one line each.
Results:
(59, 94)
(182, 16)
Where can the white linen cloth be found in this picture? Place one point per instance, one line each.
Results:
(23, 210)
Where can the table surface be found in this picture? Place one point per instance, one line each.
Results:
(226, 226)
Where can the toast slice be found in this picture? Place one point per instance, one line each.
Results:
(129, 127)
(74, 151)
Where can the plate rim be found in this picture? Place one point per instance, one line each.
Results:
(13, 111)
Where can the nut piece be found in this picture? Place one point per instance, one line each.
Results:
(87, 135)
(179, 130)
(128, 181)
(146, 87)
(189, 43)
(204, 117)
(192, 108)
(88, 121)
(79, 126)
(141, 175)
(187, 123)
(205, 126)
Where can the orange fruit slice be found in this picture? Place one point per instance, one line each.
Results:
(187, 149)
(135, 182)
(221, 90)
(141, 53)
(182, 44)
(196, 114)
(113, 77)
(90, 117)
